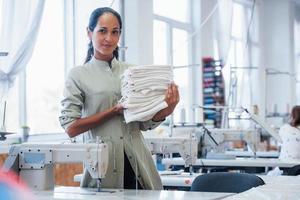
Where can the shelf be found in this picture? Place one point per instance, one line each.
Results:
(213, 90)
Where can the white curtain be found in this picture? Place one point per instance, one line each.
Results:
(20, 26)
(249, 81)
(223, 35)
(224, 26)
(243, 75)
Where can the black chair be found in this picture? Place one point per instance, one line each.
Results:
(294, 171)
(226, 182)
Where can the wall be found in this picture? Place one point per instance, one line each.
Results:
(138, 30)
(297, 50)
(278, 53)
(195, 58)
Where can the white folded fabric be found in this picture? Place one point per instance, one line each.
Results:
(144, 106)
(143, 101)
(150, 67)
(143, 91)
(144, 116)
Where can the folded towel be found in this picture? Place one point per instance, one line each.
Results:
(143, 91)
(144, 116)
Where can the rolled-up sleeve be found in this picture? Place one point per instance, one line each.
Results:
(72, 102)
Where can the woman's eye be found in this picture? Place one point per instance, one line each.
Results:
(115, 32)
(102, 30)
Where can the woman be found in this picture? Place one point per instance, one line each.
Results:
(290, 135)
(90, 106)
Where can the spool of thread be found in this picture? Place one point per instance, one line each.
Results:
(255, 109)
(198, 116)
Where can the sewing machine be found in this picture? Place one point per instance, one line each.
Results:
(186, 147)
(223, 136)
(34, 162)
(205, 140)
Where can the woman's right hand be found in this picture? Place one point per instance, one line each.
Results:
(84, 124)
(118, 109)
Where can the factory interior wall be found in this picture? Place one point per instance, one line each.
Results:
(278, 54)
(138, 31)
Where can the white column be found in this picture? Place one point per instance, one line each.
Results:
(278, 53)
(138, 26)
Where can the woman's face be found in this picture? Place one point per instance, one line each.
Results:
(105, 36)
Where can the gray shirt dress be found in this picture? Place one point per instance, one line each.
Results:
(95, 87)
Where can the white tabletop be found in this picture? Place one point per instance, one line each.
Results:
(238, 162)
(80, 193)
(185, 179)
(277, 187)
(258, 154)
(181, 180)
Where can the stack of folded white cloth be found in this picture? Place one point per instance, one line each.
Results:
(143, 91)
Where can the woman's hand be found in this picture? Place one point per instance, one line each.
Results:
(172, 98)
(118, 109)
(84, 124)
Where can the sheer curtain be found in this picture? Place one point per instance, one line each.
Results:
(237, 40)
(242, 59)
(223, 38)
(224, 26)
(20, 25)
(249, 82)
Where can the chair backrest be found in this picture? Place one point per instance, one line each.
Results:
(226, 182)
(294, 171)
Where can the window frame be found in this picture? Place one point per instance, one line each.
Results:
(69, 14)
(172, 24)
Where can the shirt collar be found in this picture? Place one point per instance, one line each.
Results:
(104, 63)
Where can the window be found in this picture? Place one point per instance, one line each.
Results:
(160, 42)
(237, 21)
(243, 57)
(46, 71)
(11, 99)
(12, 109)
(243, 52)
(181, 77)
(171, 27)
(178, 11)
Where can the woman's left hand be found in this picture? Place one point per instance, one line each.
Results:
(172, 98)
